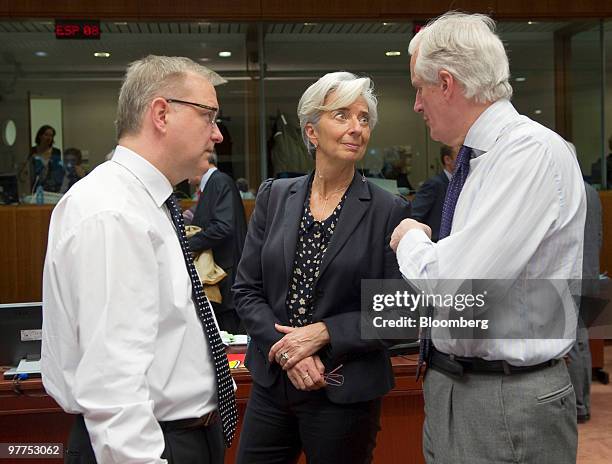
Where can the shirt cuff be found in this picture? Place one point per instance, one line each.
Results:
(410, 240)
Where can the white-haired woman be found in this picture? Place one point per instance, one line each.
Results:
(317, 384)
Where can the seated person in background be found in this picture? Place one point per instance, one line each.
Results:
(403, 168)
(72, 165)
(45, 162)
(428, 201)
(243, 188)
(220, 215)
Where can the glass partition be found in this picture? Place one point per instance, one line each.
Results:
(587, 99)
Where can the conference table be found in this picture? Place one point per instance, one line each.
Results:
(29, 415)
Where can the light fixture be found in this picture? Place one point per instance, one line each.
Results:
(393, 53)
(225, 54)
(102, 55)
(532, 22)
(388, 24)
(310, 24)
(520, 79)
(203, 24)
(537, 112)
(120, 23)
(204, 59)
(41, 53)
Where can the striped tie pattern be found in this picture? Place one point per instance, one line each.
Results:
(462, 169)
(225, 387)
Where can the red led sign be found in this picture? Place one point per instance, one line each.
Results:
(77, 29)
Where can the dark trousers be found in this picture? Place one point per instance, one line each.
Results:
(280, 421)
(203, 445)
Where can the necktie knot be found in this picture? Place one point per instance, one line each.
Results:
(464, 156)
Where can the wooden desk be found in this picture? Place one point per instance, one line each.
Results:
(31, 416)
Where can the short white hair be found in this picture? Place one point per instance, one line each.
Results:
(467, 47)
(347, 87)
(149, 78)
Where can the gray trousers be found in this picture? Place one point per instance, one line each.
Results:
(491, 418)
(580, 371)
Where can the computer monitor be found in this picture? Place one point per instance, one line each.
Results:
(20, 332)
(8, 189)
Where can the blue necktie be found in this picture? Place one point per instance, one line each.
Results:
(225, 386)
(462, 169)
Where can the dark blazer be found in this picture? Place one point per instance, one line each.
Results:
(359, 249)
(220, 214)
(428, 202)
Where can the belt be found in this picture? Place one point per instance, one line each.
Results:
(198, 422)
(456, 366)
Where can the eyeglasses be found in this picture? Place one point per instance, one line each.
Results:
(211, 115)
(332, 379)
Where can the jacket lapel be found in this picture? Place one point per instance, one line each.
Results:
(294, 208)
(356, 204)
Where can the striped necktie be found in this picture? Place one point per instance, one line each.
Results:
(225, 386)
(462, 169)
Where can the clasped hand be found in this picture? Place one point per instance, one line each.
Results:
(295, 353)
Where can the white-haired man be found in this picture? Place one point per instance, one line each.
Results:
(129, 340)
(514, 210)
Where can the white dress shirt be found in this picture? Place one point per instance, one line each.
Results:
(122, 343)
(520, 216)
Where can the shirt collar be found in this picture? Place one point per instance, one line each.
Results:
(154, 181)
(487, 128)
(205, 178)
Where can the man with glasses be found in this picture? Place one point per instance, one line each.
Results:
(129, 340)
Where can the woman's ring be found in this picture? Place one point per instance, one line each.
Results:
(306, 376)
(284, 356)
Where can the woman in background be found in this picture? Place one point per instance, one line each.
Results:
(45, 162)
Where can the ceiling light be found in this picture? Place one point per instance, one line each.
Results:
(225, 54)
(46, 23)
(388, 24)
(102, 55)
(537, 112)
(520, 79)
(393, 53)
(204, 24)
(532, 22)
(120, 23)
(310, 24)
(204, 59)
(41, 53)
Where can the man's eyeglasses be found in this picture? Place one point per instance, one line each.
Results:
(211, 115)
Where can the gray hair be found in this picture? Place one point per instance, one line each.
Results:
(150, 78)
(466, 46)
(348, 88)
